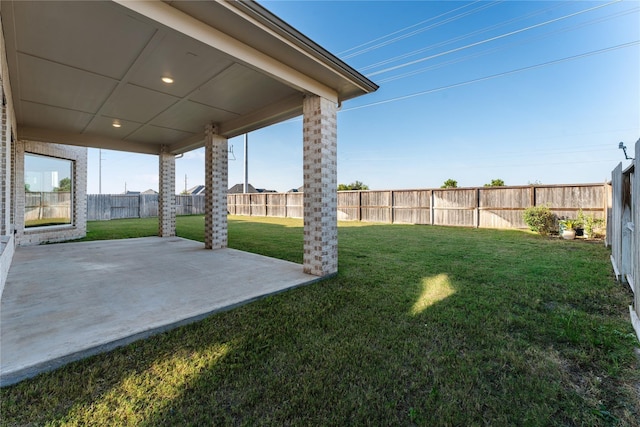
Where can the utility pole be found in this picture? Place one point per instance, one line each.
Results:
(185, 183)
(245, 188)
(100, 171)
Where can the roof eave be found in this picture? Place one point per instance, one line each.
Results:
(265, 17)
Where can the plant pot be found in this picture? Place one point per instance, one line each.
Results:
(569, 234)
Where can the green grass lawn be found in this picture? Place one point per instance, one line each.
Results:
(423, 325)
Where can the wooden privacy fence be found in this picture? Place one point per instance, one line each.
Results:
(284, 205)
(623, 230)
(119, 206)
(43, 205)
(489, 207)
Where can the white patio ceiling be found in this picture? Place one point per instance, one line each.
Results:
(76, 68)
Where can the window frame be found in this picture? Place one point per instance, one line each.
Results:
(71, 176)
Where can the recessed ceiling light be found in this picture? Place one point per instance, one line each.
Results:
(116, 124)
(167, 80)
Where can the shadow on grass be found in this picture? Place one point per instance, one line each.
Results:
(423, 325)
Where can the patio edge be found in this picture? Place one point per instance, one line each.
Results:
(11, 378)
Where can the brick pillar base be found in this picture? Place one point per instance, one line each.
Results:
(320, 187)
(167, 194)
(216, 161)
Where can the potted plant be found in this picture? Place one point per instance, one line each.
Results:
(567, 228)
(580, 222)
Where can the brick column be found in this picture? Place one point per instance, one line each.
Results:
(5, 168)
(80, 190)
(216, 164)
(320, 187)
(167, 193)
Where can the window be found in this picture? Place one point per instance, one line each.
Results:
(48, 187)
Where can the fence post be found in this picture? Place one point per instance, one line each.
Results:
(532, 196)
(477, 210)
(359, 205)
(391, 206)
(41, 205)
(605, 206)
(432, 208)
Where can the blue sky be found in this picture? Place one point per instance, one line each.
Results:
(526, 92)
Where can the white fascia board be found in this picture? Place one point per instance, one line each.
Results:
(179, 21)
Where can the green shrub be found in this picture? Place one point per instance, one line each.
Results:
(594, 227)
(540, 219)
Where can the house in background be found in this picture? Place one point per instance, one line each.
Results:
(149, 191)
(239, 189)
(161, 78)
(195, 191)
(236, 189)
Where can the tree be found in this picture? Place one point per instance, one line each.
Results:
(495, 183)
(353, 186)
(65, 185)
(450, 183)
(27, 188)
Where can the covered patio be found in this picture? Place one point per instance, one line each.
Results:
(158, 78)
(90, 297)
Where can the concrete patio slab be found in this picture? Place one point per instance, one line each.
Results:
(64, 302)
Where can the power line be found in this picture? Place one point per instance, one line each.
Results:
(422, 30)
(459, 38)
(342, 54)
(506, 46)
(545, 164)
(493, 76)
(502, 155)
(511, 33)
(519, 152)
(517, 161)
